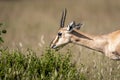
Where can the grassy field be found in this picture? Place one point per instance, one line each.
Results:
(34, 23)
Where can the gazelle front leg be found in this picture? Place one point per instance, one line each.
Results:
(113, 55)
(116, 54)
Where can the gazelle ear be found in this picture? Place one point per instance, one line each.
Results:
(71, 26)
(78, 26)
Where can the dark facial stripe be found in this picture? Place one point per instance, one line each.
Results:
(54, 41)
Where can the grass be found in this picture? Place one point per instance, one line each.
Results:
(52, 65)
(14, 65)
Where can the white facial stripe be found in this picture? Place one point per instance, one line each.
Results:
(56, 40)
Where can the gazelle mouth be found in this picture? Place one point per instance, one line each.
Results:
(57, 47)
(53, 46)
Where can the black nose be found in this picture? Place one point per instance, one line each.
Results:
(53, 46)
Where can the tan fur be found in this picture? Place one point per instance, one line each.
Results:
(108, 44)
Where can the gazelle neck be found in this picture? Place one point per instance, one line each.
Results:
(90, 41)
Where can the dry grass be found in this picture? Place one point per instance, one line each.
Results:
(28, 20)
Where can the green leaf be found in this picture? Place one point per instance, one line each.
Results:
(1, 24)
(1, 40)
(4, 31)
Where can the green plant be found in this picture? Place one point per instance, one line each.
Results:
(14, 65)
(2, 31)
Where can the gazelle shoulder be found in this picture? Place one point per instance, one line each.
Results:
(114, 35)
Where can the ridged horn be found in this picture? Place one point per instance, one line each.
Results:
(62, 22)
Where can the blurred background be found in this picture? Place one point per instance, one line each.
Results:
(34, 23)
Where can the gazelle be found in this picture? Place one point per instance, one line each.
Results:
(108, 44)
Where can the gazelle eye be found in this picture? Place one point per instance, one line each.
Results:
(59, 34)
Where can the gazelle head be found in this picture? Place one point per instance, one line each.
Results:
(63, 36)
